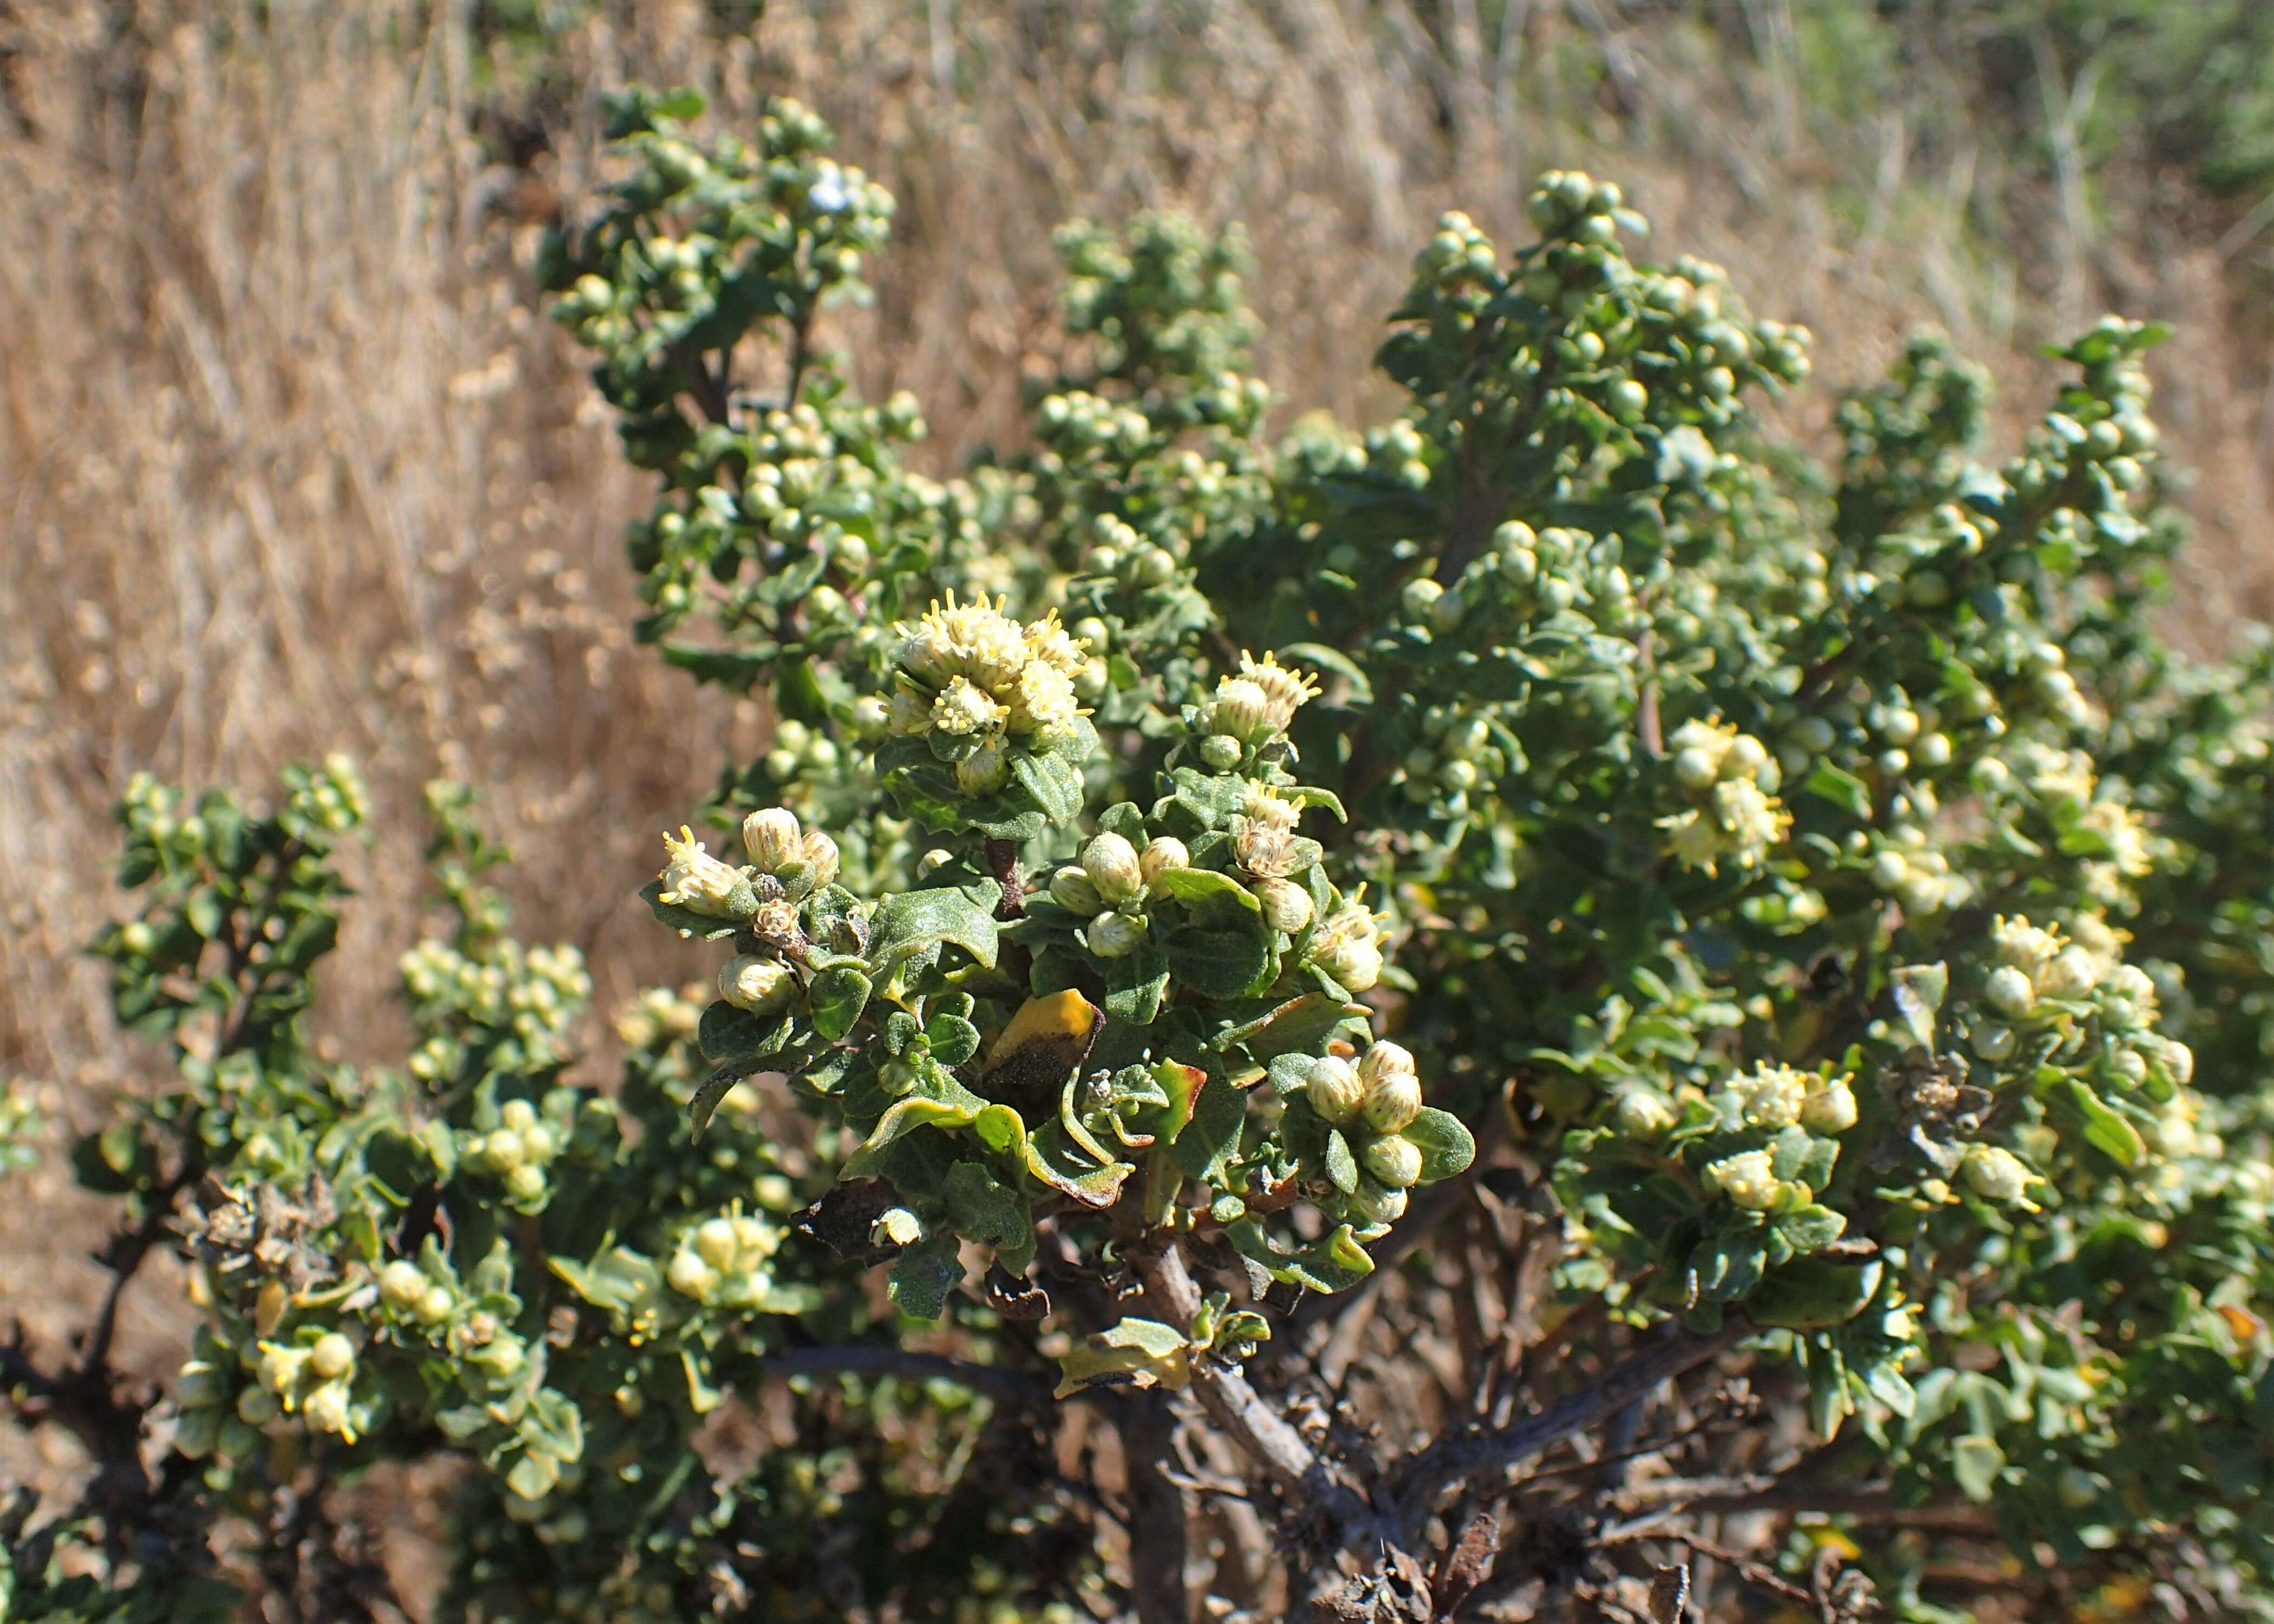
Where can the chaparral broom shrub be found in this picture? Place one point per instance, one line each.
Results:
(1551, 1010)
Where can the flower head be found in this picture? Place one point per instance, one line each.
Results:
(693, 879)
(1284, 692)
(1748, 1179)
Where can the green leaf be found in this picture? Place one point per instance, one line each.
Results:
(1976, 1463)
(1334, 1262)
(915, 921)
(1332, 659)
(1212, 1137)
(2107, 1129)
(907, 1116)
(838, 996)
(1219, 964)
(982, 1208)
(1342, 1167)
(924, 1274)
(732, 1036)
(1446, 1145)
(1051, 783)
(1210, 897)
(1842, 789)
(533, 1476)
(1810, 1294)
(1300, 1025)
(1918, 993)
(1135, 985)
(953, 1039)
(1812, 1228)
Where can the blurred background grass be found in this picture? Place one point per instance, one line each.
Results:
(291, 463)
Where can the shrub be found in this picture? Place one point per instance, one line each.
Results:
(1691, 1005)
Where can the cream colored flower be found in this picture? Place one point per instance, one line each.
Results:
(693, 879)
(1284, 692)
(1748, 1179)
(962, 709)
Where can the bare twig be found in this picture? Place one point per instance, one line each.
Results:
(1425, 1477)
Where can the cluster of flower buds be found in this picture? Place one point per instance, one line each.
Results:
(312, 1375)
(518, 1151)
(1737, 818)
(1371, 1102)
(976, 685)
(467, 1001)
(1785, 1123)
(2041, 977)
(1348, 944)
(786, 863)
(722, 1261)
(1249, 710)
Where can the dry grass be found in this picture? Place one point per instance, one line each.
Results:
(291, 465)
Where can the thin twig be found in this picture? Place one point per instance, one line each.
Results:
(1425, 1478)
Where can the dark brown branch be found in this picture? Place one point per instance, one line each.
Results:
(1156, 1508)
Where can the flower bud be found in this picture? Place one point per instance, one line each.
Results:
(327, 1408)
(518, 1115)
(1112, 863)
(1115, 935)
(1286, 905)
(257, 1407)
(1642, 1115)
(1356, 964)
(1372, 1203)
(1995, 1173)
(400, 1285)
(985, 771)
(715, 1242)
(762, 986)
(1696, 770)
(1335, 1089)
(820, 857)
(1393, 1093)
(2072, 974)
(690, 1276)
(1241, 709)
(437, 1305)
(525, 1183)
(1830, 1107)
(1384, 1058)
(1162, 853)
(2009, 989)
(334, 1355)
(1220, 752)
(772, 839)
(1070, 890)
(1393, 1161)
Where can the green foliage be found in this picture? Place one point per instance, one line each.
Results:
(1822, 890)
